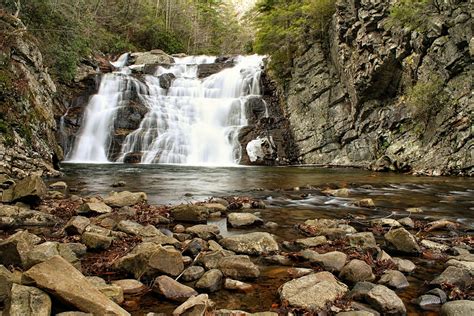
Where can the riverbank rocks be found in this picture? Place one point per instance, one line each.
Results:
(96, 241)
(362, 240)
(455, 276)
(190, 213)
(330, 228)
(402, 240)
(211, 281)
(131, 286)
(394, 279)
(199, 305)
(404, 265)
(243, 219)
(125, 198)
(313, 292)
(332, 261)
(311, 241)
(30, 190)
(62, 280)
(204, 231)
(458, 308)
(112, 291)
(171, 289)
(94, 207)
(28, 301)
(385, 301)
(357, 271)
(14, 216)
(49, 249)
(14, 249)
(467, 265)
(252, 244)
(77, 225)
(192, 273)
(238, 267)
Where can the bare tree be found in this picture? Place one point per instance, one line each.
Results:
(18, 7)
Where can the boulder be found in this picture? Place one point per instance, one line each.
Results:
(192, 273)
(363, 240)
(327, 227)
(94, 207)
(155, 56)
(190, 213)
(211, 281)
(136, 229)
(171, 289)
(407, 222)
(365, 203)
(205, 70)
(360, 290)
(131, 286)
(125, 198)
(6, 278)
(251, 244)
(357, 271)
(166, 260)
(47, 250)
(458, 308)
(311, 241)
(28, 301)
(166, 80)
(455, 276)
(235, 285)
(199, 305)
(404, 265)
(30, 190)
(14, 216)
(243, 219)
(332, 261)
(62, 280)
(204, 231)
(385, 301)
(14, 249)
(394, 279)
(211, 259)
(238, 267)
(77, 225)
(313, 292)
(96, 241)
(402, 240)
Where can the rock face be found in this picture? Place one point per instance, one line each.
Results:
(312, 292)
(346, 103)
(61, 279)
(27, 140)
(28, 301)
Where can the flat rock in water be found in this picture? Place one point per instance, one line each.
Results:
(60, 278)
(190, 213)
(332, 261)
(385, 301)
(243, 219)
(238, 267)
(171, 289)
(357, 271)
(94, 207)
(402, 240)
(204, 231)
(327, 227)
(251, 244)
(458, 308)
(455, 276)
(236, 285)
(125, 198)
(28, 301)
(313, 292)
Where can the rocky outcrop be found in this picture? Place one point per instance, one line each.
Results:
(347, 102)
(27, 125)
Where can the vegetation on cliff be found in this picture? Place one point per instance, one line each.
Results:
(68, 31)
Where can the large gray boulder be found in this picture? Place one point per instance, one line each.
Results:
(28, 301)
(313, 292)
(61, 279)
(250, 244)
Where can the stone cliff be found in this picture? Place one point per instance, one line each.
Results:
(27, 123)
(386, 97)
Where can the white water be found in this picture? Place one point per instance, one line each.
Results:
(193, 122)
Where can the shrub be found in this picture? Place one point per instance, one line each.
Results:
(427, 98)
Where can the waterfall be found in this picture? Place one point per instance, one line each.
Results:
(195, 121)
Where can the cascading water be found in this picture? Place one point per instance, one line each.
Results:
(195, 121)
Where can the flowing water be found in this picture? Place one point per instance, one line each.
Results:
(292, 195)
(195, 121)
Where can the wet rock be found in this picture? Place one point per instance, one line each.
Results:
(131, 286)
(112, 291)
(210, 260)
(194, 247)
(427, 301)
(96, 241)
(243, 219)
(28, 301)
(394, 279)
(414, 210)
(332, 261)
(328, 227)
(94, 207)
(235, 285)
(455, 276)
(199, 305)
(60, 278)
(60, 185)
(434, 245)
(344, 192)
(312, 292)
(271, 225)
(77, 225)
(298, 272)
(118, 184)
(192, 273)
(407, 222)
(404, 265)
(458, 308)
(279, 260)
(364, 203)
(360, 290)
(30, 190)
(125, 198)
(439, 293)
(204, 231)
(211, 281)
(251, 244)
(385, 301)
(190, 213)
(385, 222)
(238, 267)
(363, 240)
(171, 289)
(155, 56)
(402, 240)
(357, 271)
(14, 249)
(311, 241)
(205, 70)
(467, 265)
(14, 216)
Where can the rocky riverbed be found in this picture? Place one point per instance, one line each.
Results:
(68, 254)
